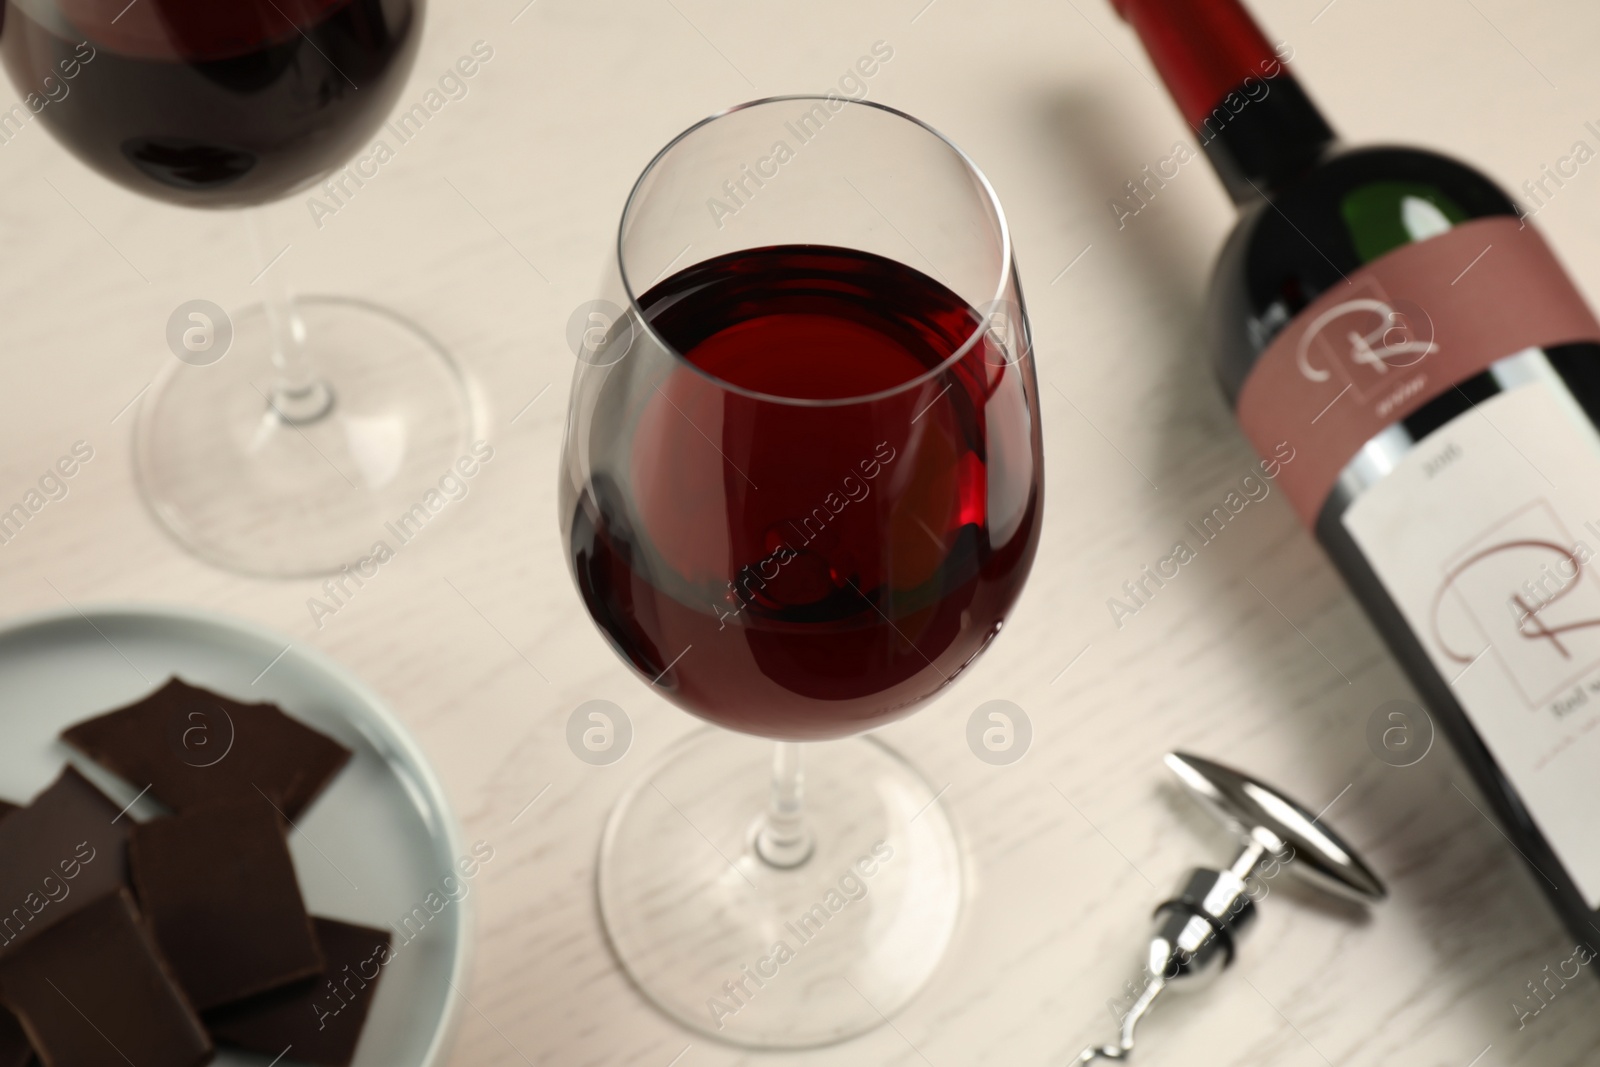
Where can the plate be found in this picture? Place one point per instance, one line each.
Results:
(375, 848)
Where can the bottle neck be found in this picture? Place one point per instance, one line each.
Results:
(1257, 125)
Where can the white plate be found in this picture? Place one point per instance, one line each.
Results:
(370, 850)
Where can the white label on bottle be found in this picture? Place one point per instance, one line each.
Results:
(1486, 536)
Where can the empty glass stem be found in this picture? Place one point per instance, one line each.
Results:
(784, 838)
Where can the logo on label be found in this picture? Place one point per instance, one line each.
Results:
(1521, 590)
(1363, 339)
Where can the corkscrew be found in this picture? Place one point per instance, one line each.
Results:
(1196, 931)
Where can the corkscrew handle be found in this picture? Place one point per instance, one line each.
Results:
(1264, 817)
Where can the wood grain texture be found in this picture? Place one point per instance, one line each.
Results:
(492, 225)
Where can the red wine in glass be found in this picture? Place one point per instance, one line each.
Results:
(817, 567)
(215, 103)
(801, 487)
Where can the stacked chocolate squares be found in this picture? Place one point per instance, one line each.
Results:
(147, 943)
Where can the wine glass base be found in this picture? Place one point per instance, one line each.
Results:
(300, 492)
(772, 958)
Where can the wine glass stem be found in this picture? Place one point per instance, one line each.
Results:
(299, 396)
(784, 838)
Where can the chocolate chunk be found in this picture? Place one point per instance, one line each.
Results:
(320, 1021)
(92, 991)
(191, 746)
(66, 849)
(218, 888)
(15, 1049)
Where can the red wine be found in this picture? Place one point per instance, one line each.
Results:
(208, 103)
(1387, 314)
(787, 561)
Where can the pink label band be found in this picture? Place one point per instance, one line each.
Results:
(1398, 333)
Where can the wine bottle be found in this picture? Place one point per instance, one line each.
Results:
(1391, 316)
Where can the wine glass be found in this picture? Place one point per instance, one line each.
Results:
(801, 487)
(287, 433)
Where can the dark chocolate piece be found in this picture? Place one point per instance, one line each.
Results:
(320, 1021)
(15, 1049)
(92, 991)
(191, 746)
(66, 849)
(219, 891)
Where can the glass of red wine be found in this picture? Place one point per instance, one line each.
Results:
(285, 434)
(801, 488)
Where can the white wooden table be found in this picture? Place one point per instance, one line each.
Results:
(492, 225)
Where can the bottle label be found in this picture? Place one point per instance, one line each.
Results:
(1485, 535)
(1398, 333)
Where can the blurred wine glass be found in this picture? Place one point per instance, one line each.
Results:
(287, 432)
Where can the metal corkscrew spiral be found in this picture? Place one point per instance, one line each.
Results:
(1196, 930)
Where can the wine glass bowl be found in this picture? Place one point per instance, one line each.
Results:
(801, 488)
(838, 552)
(212, 104)
(817, 467)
